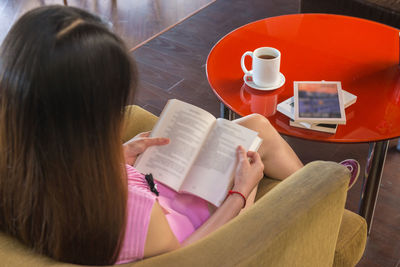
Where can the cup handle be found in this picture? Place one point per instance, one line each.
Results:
(248, 53)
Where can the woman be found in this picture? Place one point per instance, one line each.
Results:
(65, 191)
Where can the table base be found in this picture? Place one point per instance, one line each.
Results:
(226, 112)
(372, 180)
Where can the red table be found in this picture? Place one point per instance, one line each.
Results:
(362, 54)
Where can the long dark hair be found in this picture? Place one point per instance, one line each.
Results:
(64, 81)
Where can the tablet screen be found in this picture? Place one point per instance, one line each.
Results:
(319, 100)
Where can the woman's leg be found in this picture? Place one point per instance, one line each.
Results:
(279, 159)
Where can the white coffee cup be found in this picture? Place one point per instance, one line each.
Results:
(265, 66)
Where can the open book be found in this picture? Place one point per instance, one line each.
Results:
(201, 157)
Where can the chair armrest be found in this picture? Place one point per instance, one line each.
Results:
(295, 224)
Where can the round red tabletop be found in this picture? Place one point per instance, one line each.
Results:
(361, 54)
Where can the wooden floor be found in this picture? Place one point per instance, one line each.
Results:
(135, 21)
(172, 65)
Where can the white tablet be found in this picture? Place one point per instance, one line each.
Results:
(319, 102)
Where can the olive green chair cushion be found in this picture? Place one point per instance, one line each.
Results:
(351, 241)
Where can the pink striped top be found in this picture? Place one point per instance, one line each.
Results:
(184, 213)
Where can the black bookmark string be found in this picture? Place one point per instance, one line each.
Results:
(152, 185)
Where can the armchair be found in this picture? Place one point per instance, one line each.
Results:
(300, 222)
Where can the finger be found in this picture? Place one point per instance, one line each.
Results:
(241, 154)
(138, 136)
(258, 162)
(155, 141)
(251, 153)
(144, 134)
(254, 157)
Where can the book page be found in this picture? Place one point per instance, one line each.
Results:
(187, 127)
(211, 175)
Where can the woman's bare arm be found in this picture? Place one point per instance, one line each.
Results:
(249, 172)
(160, 238)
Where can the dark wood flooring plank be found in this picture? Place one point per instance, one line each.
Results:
(153, 98)
(166, 46)
(192, 91)
(157, 76)
(174, 65)
(135, 21)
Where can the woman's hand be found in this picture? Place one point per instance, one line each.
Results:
(138, 144)
(249, 171)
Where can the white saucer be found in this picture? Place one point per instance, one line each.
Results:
(248, 79)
